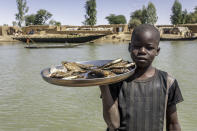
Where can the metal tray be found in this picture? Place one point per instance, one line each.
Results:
(86, 82)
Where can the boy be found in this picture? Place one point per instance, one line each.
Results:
(143, 101)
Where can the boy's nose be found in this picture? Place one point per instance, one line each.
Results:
(142, 50)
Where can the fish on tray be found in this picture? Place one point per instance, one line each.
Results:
(73, 70)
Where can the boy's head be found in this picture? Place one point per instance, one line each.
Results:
(144, 45)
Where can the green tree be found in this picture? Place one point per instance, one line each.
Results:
(134, 22)
(14, 23)
(137, 15)
(90, 17)
(42, 16)
(151, 14)
(116, 19)
(184, 17)
(195, 9)
(53, 22)
(146, 15)
(30, 19)
(22, 10)
(176, 17)
(192, 18)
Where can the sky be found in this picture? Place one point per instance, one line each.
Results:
(71, 12)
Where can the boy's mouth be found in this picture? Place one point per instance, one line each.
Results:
(141, 58)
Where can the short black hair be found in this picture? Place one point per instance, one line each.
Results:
(145, 27)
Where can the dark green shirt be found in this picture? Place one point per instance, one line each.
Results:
(142, 102)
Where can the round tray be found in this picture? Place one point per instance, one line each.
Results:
(86, 82)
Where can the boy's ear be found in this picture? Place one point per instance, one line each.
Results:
(158, 50)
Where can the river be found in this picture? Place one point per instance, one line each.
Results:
(28, 103)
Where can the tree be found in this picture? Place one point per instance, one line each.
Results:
(137, 15)
(42, 16)
(146, 15)
(195, 9)
(30, 19)
(189, 18)
(192, 18)
(151, 14)
(90, 17)
(134, 22)
(176, 17)
(22, 10)
(53, 22)
(14, 23)
(184, 17)
(116, 19)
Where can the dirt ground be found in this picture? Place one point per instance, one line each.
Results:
(7, 39)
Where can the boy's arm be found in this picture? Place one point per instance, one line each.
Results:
(174, 97)
(110, 108)
(172, 123)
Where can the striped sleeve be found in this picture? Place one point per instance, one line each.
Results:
(175, 95)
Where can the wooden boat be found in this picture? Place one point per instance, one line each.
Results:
(57, 39)
(36, 46)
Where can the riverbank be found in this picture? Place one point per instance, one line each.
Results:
(7, 39)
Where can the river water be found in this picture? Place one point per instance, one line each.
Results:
(28, 103)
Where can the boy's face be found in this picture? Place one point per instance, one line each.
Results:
(144, 48)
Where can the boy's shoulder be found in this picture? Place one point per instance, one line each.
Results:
(165, 72)
(167, 76)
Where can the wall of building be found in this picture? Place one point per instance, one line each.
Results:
(8, 30)
(36, 28)
(1, 31)
(78, 32)
(192, 27)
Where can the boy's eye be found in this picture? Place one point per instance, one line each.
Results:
(136, 46)
(150, 48)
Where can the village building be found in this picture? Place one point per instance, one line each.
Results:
(111, 32)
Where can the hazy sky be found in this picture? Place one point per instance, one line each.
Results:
(71, 12)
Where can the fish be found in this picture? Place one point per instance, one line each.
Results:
(60, 74)
(73, 70)
(111, 63)
(98, 73)
(121, 64)
(85, 66)
(73, 66)
(54, 69)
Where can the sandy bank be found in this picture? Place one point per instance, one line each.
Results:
(7, 39)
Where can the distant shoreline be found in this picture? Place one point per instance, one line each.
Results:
(114, 38)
